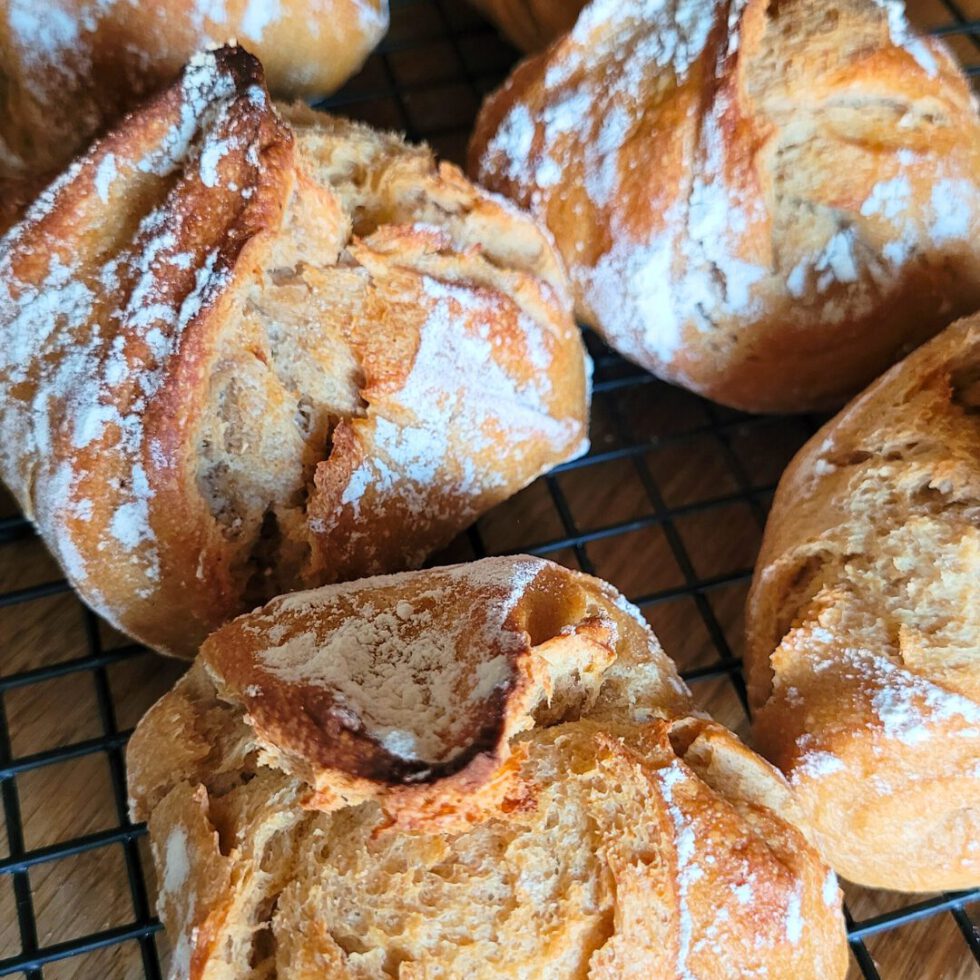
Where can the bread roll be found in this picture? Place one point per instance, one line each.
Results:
(244, 355)
(864, 626)
(478, 771)
(531, 24)
(767, 203)
(69, 67)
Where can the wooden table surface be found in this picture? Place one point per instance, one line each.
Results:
(678, 522)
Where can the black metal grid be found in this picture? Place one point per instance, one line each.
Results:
(426, 80)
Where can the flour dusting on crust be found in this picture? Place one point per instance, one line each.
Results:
(459, 398)
(403, 674)
(93, 343)
(207, 337)
(686, 183)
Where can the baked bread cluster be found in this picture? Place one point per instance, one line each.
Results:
(248, 351)
(766, 203)
(483, 770)
(863, 652)
(70, 67)
(531, 24)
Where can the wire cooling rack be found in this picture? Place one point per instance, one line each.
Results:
(669, 506)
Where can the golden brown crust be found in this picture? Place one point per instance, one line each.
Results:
(244, 355)
(863, 653)
(69, 69)
(531, 24)
(333, 682)
(602, 832)
(770, 236)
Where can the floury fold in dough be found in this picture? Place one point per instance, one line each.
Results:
(766, 203)
(248, 350)
(72, 67)
(487, 770)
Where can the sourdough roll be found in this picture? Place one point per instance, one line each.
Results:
(766, 203)
(484, 770)
(247, 352)
(864, 625)
(531, 24)
(70, 67)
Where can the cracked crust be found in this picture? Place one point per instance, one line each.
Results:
(771, 237)
(477, 770)
(71, 69)
(863, 655)
(247, 352)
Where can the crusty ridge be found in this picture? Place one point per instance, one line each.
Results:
(765, 202)
(99, 299)
(597, 832)
(218, 388)
(864, 637)
(376, 688)
(901, 458)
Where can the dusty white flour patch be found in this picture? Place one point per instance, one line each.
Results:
(373, 14)
(815, 765)
(105, 175)
(830, 890)
(630, 288)
(838, 261)
(176, 861)
(203, 88)
(903, 37)
(687, 870)
(513, 141)
(911, 708)
(953, 203)
(888, 198)
(794, 916)
(744, 893)
(601, 179)
(42, 32)
(403, 673)
(211, 155)
(258, 15)
(461, 398)
(130, 524)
